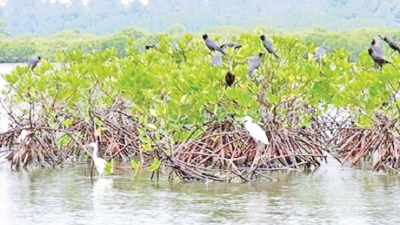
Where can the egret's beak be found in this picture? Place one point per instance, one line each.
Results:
(240, 119)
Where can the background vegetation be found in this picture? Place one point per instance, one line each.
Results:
(43, 28)
(23, 47)
(104, 17)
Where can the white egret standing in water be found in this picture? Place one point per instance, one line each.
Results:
(259, 136)
(255, 131)
(98, 162)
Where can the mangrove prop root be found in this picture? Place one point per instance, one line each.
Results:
(378, 144)
(222, 154)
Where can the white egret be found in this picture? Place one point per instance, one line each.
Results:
(255, 131)
(259, 136)
(98, 162)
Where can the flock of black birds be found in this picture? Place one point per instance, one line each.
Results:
(254, 61)
(375, 51)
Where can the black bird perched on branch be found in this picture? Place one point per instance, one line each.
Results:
(229, 78)
(376, 47)
(391, 43)
(254, 63)
(268, 45)
(212, 45)
(33, 62)
(378, 58)
(376, 53)
(231, 44)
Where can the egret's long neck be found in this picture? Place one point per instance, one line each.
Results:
(95, 151)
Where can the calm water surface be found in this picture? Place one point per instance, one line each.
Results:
(331, 195)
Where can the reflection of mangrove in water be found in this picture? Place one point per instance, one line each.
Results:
(330, 194)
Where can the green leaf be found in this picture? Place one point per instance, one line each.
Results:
(153, 113)
(272, 98)
(144, 138)
(136, 167)
(146, 147)
(152, 126)
(183, 98)
(154, 165)
(67, 122)
(109, 169)
(10, 78)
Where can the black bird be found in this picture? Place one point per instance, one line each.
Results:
(229, 78)
(319, 53)
(376, 47)
(33, 62)
(150, 46)
(391, 43)
(268, 45)
(376, 53)
(231, 44)
(217, 59)
(254, 63)
(212, 45)
(378, 58)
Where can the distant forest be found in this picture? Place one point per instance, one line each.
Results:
(101, 17)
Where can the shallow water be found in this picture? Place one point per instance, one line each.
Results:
(331, 195)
